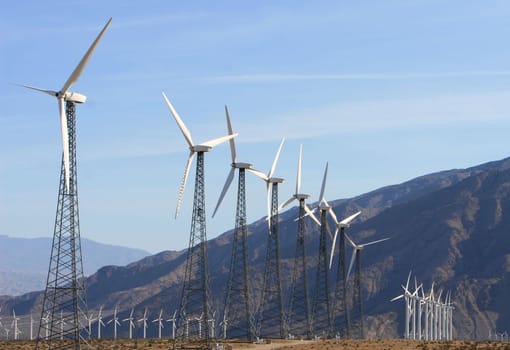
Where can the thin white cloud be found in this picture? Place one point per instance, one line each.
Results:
(269, 77)
(394, 115)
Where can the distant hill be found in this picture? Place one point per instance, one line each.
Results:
(20, 274)
(450, 227)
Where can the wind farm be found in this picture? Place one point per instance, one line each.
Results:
(403, 244)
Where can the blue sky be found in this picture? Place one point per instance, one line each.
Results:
(383, 90)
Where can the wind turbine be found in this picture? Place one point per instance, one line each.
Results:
(62, 323)
(199, 320)
(131, 323)
(238, 295)
(144, 319)
(195, 293)
(356, 256)
(271, 301)
(224, 325)
(299, 300)
(90, 319)
(115, 321)
(14, 325)
(341, 280)
(31, 327)
(173, 319)
(160, 322)
(99, 322)
(65, 268)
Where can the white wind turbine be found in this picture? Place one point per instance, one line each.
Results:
(224, 325)
(31, 327)
(159, 320)
(408, 304)
(194, 148)
(46, 320)
(199, 320)
(144, 319)
(234, 165)
(64, 95)
(14, 325)
(62, 324)
(100, 322)
(356, 256)
(90, 319)
(131, 323)
(115, 321)
(173, 320)
(270, 180)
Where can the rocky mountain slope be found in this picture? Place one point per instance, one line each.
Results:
(451, 228)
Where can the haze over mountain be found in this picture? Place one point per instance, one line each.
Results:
(24, 261)
(450, 227)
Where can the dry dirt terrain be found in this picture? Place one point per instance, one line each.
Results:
(383, 344)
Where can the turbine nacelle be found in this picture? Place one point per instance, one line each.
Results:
(200, 148)
(300, 196)
(73, 97)
(242, 165)
(274, 180)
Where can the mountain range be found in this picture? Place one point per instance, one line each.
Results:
(22, 275)
(449, 228)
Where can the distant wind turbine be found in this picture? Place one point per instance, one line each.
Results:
(356, 255)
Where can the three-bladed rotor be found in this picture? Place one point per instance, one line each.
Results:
(202, 147)
(64, 95)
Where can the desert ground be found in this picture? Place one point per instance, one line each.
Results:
(381, 344)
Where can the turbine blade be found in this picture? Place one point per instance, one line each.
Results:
(230, 177)
(48, 92)
(183, 184)
(180, 123)
(347, 220)
(217, 141)
(408, 278)
(351, 242)
(298, 179)
(258, 173)
(310, 213)
(287, 202)
(65, 140)
(333, 215)
(352, 263)
(398, 297)
(323, 186)
(75, 75)
(333, 248)
(275, 161)
(328, 230)
(373, 242)
(232, 144)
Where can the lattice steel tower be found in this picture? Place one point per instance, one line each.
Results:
(299, 316)
(271, 316)
(321, 304)
(238, 308)
(64, 305)
(195, 301)
(195, 309)
(341, 296)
